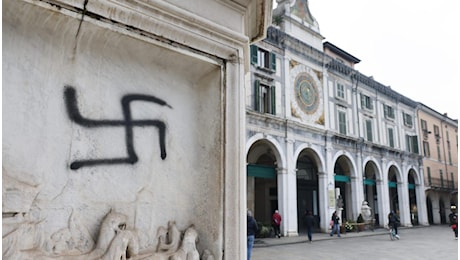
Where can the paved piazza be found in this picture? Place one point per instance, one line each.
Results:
(434, 243)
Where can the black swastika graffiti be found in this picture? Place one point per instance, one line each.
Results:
(128, 123)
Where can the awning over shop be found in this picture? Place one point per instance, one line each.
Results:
(341, 178)
(261, 171)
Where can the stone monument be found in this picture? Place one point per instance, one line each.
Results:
(121, 117)
(366, 212)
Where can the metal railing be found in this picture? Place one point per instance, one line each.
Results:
(441, 184)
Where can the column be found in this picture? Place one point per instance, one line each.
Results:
(403, 200)
(287, 182)
(384, 195)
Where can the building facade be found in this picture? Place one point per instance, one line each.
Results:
(322, 136)
(439, 147)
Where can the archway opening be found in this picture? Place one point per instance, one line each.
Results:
(262, 188)
(442, 212)
(307, 191)
(429, 207)
(370, 189)
(393, 190)
(412, 199)
(342, 173)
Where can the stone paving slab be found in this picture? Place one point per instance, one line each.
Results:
(264, 242)
(416, 243)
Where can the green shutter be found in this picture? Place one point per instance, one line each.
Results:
(272, 61)
(369, 130)
(391, 137)
(415, 144)
(273, 96)
(407, 143)
(392, 184)
(254, 50)
(342, 123)
(256, 95)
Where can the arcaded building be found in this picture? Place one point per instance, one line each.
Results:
(322, 136)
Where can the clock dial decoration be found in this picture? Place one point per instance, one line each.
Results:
(306, 93)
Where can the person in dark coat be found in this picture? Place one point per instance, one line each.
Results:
(309, 221)
(252, 229)
(454, 223)
(393, 221)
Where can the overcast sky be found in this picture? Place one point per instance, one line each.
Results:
(411, 45)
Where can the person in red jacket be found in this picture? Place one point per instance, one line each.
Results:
(276, 222)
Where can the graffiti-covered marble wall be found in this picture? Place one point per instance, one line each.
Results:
(120, 131)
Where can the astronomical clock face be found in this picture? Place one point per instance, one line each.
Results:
(306, 93)
(306, 97)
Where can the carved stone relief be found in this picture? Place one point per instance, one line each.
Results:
(116, 240)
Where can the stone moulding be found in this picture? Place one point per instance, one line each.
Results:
(115, 241)
(154, 19)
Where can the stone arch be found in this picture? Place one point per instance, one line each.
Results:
(309, 167)
(442, 210)
(396, 169)
(395, 180)
(345, 176)
(378, 170)
(430, 209)
(264, 158)
(348, 160)
(271, 141)
(372, 177)
(315, 155)
(413, 184)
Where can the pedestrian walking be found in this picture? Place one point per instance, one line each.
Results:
(393, 222)
(335, 224)
(252, 229)
(454, 223)
(276, 223)
(309, 221)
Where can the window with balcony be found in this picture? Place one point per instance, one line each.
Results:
(265, 100)
(366, 102)
(388, 112)
(423, 125)
(263, 58)
(436, 130)
(426, 149)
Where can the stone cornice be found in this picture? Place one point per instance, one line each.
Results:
(282, 40)
(155, 19)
